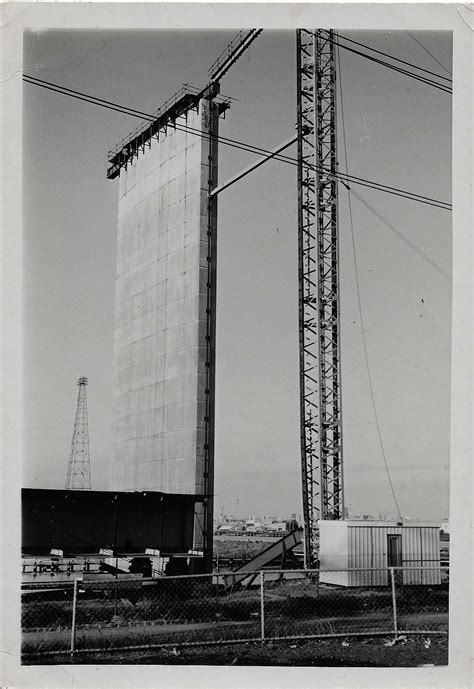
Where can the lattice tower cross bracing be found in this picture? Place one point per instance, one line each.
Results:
(79, 468)
(320, 375)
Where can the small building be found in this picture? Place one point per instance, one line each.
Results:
(278, 526)
(369, 548)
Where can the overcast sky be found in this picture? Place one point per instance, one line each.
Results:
(398, 132)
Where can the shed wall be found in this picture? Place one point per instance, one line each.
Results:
(421, 548)
(363, 546)
(333, 552)
(368, 549)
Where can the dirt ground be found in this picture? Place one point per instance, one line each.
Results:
(413, 652)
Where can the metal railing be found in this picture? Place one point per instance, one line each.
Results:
(136, 614)
(148, 118)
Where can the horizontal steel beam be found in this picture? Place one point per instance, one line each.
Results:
(253, 166)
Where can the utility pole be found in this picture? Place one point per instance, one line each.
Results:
(318, 251)
(79, 468)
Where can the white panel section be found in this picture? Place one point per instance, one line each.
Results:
(333, 552)
(159, 355)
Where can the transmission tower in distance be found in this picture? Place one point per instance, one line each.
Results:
(79, 467)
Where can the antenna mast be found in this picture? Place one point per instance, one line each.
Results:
(79, 467)
(320, 367)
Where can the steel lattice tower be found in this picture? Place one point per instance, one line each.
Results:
(320, 376)
(79, 467)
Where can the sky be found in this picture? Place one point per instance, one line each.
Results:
(398, 132)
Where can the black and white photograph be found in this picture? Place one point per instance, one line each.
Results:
(236, 344)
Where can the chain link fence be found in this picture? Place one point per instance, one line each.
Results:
(47, 619)
(303, 605)
(130, 613)
(421, 608)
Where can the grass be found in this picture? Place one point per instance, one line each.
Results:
(175, 601)
(193, 611)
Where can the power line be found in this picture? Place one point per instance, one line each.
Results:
(233, 142)
(397, 192)
(378, 186)
(417, 77)
(399, 234)
(87, 96)
(339, 175)
(428, 52)
(421, 79)
(392, 57)
(229, 142)
(91, 99)
(362, 325)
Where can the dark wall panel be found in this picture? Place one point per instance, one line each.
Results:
(84, 521)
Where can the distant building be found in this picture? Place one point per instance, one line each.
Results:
(225, 528)
(277, 526)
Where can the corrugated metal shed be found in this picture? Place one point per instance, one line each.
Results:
(366, 549)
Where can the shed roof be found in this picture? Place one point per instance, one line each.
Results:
(381, 523)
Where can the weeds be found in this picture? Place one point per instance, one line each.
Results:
(192, 610)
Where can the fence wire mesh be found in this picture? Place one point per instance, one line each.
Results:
(423, 607)
(171, 610)
(320, 603)
(47, 619)
(132, 613)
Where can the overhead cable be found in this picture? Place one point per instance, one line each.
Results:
(399, 234)
(429, 53)
(418, 77)
(412, 75)
(79, 96)
(397, 59)
(361, 315)
(437, 203)
(339, 175)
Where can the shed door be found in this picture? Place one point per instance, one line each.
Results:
(394, 551)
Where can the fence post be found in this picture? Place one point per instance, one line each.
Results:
(394, 602)
(262, 605)
(73, 622)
